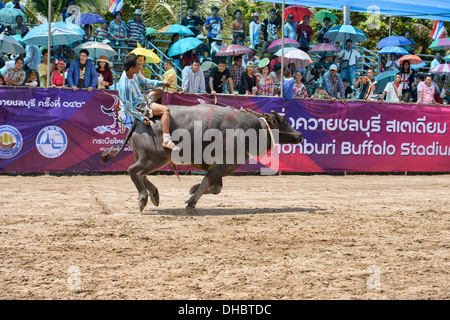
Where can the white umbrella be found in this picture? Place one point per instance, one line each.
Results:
(299, 57)
(96, 49)
(58, 36)
(10, 45)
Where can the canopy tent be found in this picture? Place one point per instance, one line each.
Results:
(425, 9)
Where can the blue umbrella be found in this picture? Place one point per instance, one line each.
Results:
(393, 49)
(344, 32)
(8, 16)
(418, 66)
(177, 28)
(183, 45)
(393, 41)
(39, 36)
(10, 45)
(384, 78)
(89, 18)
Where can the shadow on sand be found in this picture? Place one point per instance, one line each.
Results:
(230, 211)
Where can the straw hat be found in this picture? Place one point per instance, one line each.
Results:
(201, 37)
(219, 37)
(105, 59)
(138, 11)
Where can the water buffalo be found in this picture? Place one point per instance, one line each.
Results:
(199, 122)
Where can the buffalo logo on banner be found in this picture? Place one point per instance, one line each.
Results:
(51, 142)
(121, 119)
(11, 142)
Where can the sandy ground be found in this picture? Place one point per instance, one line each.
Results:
(278, 237)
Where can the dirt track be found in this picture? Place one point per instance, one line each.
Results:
(279, 237)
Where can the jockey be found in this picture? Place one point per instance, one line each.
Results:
(141, 107)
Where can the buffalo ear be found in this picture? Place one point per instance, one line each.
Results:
(277, 116)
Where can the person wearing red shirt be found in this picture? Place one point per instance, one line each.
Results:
(304, 34)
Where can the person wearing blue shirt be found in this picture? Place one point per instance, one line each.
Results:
(213, 24)
(141, 107)
(2, 5)
(288, 85)
(82, 73)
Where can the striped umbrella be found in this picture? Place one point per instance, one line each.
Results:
(443, 68)
(440, 44)
(447, 57)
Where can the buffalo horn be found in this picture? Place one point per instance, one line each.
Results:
(277, 116)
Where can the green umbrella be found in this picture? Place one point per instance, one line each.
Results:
(319, 16)
(149, 30)
(440, 44)
(18, 37)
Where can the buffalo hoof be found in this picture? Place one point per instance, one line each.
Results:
(191, 210)
(154, 197)
(143, 202)
(193, 189)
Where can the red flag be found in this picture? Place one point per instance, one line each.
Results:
(438, 31)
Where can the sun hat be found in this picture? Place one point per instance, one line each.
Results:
(255, 14)
(106, 41)
(207, 65)
(218, 37)
(104, 58)
(264, 62)
(138, 11)
(201, 37)
(250, 63)
(61, 63)
(257, 61)
(333, 67)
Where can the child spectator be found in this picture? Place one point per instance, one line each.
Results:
(102, 32)
(57, 74)
(320, 93)
(348, 88)
(32, 80)
(288, 85)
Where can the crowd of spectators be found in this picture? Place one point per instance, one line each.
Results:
(333, 75)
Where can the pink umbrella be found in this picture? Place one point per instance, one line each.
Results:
(324, 47)
(288, 42)
(233, 50)
(299, 57)
(441, 69)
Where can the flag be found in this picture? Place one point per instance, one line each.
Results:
(115, 5)
(438, 30)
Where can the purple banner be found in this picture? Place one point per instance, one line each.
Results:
(62, 130)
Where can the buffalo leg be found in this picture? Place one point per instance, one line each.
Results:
(154, 194)
(210, 179)
(214, 189)
(136, 172)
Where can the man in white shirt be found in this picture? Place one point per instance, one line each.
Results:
(254, 30)
(216, 46)
(349, 61)
(437, 60)
(193, 79)
(289, 30)
(393, 90)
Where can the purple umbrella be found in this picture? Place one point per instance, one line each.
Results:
(393, 41)
(288, 42)
(324, 47)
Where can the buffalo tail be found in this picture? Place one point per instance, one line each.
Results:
(108, 154)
